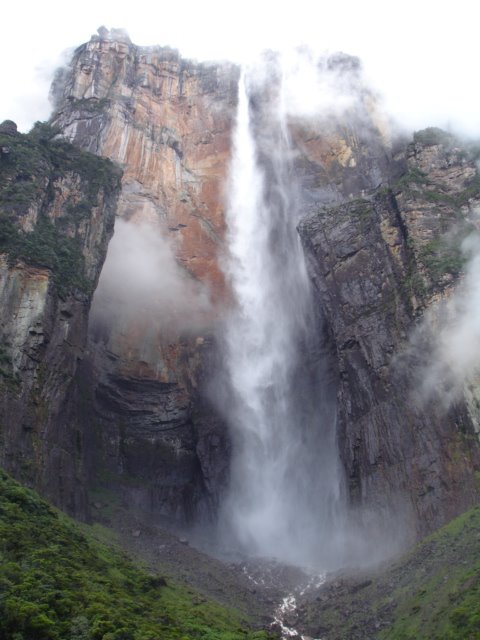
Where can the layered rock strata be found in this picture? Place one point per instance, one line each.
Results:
(374, 258)
(167, 122)
(57, 208)
(378, 264)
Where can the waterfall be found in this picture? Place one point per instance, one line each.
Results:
(284, 489)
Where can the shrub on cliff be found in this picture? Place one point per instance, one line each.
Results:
(31, 166)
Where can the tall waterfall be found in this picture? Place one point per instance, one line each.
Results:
(284, 489)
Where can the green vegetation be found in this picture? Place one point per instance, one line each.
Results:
(432, 136)
(90, 104)
(437, 196)
(443, 254)
(30, 166)
(472, 190)
(46, 246)
(431, 593)
(57, 583)
(7, 377)
(413, 176)
(442, 601)
(360, 208)
(414, 282)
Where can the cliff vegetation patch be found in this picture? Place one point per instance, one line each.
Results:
(30, 167)
(431, 593)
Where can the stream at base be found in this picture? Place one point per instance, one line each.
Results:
(267, 575)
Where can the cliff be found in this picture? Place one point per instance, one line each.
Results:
(166, 121)
(125, 411)
(163, 447)
(57, 208)
(378, 264)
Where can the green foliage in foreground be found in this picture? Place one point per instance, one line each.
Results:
(430, 593)
(440, 600)
(58, 583)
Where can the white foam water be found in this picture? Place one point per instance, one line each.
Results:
(284, 494)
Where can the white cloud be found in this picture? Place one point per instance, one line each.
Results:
(421, 55)
(446, 345)
(142, 279)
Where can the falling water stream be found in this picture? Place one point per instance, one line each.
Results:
(284, 492)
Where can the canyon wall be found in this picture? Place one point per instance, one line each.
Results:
(378, 264)
(141, 410)
(57, 208)
(167, 122)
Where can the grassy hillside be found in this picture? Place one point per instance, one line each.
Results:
(58, 583)
(432, 593)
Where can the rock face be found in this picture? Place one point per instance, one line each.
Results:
(377, 264)
(372, 243)
(57, 208)
(167, 122)
(125, 413)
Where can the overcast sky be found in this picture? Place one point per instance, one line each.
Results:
(421, 55)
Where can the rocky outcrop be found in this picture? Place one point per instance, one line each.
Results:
(167, 122)
(377, 264)
(57, 207)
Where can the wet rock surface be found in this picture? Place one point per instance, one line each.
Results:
(168, 122)
(375, 272)
(56, 223)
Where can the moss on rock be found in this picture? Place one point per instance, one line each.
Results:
(30, 167)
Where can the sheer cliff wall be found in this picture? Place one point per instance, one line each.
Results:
(378, 264)
(160, 444)
(57, 208)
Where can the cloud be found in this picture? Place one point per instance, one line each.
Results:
(141, 281)
(422, 56)
(444, 351)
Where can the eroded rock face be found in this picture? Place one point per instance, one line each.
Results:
(56, 223)
(168, 123)
(376, 271)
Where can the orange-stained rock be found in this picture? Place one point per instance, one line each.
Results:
(167, 122)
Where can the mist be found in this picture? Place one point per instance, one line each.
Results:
(420, 58)
(444, 350)
(142, 279)
(425, 76)
(287, 497)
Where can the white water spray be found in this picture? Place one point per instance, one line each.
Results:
(284, 490)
